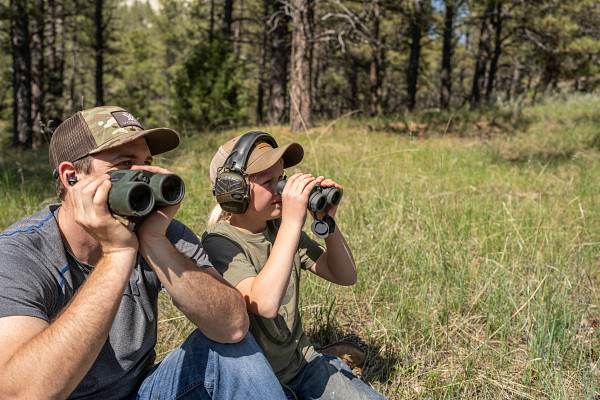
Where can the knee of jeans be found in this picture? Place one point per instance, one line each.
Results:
(245, 347)
(197, 338)
(244, 351)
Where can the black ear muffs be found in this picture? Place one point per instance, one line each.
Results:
(231, 188)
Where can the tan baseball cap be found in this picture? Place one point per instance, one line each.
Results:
(94, 130)
(262, 157)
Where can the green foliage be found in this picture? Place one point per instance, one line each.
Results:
(142, 87)
(207, 88)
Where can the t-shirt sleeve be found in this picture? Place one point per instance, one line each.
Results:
(309, 250)
(25, 288)
(186, 241)
(228, 258)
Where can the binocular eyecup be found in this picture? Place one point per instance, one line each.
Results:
(136, 193)
(319, 198)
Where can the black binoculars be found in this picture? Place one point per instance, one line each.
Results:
(136, 193)
(319, 197)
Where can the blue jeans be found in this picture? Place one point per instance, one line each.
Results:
(203, 369)
(328, 377)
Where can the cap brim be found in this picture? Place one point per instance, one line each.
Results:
(160, 140)
(291, 154)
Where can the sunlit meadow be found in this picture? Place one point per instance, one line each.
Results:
(476, 236)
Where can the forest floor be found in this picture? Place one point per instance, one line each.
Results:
(475, 234)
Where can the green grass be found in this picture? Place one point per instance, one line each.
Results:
(476, 238)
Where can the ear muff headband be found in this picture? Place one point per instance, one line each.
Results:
(231, 189)
(238, 157)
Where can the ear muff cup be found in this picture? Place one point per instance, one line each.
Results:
(232, 192)
(231, 188)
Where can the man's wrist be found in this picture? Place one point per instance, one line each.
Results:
(115, 252)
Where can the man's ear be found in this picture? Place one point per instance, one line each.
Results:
(66, 173)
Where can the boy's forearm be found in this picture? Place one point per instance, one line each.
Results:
(340, 260)
(270, 285)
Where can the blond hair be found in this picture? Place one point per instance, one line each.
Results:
(217, 214)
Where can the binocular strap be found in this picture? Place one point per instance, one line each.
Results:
(129, 224)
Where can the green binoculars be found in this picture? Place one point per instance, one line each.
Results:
(319, 198)
(136, 193)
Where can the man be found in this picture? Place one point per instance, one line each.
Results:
(78, 289)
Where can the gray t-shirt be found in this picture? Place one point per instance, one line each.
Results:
(38, 277)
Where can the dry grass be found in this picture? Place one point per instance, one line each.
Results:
(477, 252)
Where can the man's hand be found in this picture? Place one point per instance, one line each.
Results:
(88, 199)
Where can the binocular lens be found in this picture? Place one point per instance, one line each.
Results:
(317, 202)
(140, 199)
(136, 193)
(333, 196)
(172, 189)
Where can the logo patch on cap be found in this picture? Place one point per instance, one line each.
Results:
(124, 119)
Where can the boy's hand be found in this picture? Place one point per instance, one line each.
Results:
(329, 210)
(295, 198)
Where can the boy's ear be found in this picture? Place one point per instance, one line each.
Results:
(66, 173)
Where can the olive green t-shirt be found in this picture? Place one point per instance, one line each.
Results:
(239, 255)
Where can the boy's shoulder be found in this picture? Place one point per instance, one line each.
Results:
(220, 231)
(221, 227)
(226, 229)
(223, 230)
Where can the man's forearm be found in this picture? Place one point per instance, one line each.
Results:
(212, 304)
(63, 352)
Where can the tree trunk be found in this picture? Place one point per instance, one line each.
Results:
(19, 35)
(238, 30)
(412, 74)
(278, 66)
(497, 26)
(300, 82)
(99, 48)
(211, 22)
(516, 80)
(261, 65)
(483, 54)
(56, 63)
(352, 81)
(374, 69)
(37, 71)
(318, 66)
(227, 19)
(72, 78)
(447, 51)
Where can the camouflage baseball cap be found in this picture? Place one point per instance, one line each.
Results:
(94, 130)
